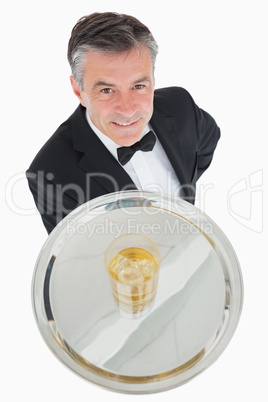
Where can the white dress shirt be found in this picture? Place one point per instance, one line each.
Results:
(150, 171)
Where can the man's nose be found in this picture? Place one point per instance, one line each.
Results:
(126, 105)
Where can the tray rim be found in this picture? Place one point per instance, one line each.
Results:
(115, 382)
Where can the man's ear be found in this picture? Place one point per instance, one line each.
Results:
(77, 91)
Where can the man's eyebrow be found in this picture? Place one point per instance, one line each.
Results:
(109, 85)
(103, 84)
(142, 79)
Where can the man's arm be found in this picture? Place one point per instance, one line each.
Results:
(208, 137)
(52, 203)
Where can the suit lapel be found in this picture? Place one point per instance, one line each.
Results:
(105, 169)
(97, 160)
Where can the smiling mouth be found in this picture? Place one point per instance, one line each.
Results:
(125, 124)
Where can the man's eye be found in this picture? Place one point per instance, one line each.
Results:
(106, 90)
(139, 86)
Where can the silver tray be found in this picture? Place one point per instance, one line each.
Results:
(196, 310)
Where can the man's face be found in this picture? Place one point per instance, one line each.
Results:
(118, 93)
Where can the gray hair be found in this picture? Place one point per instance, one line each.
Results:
(108, 33)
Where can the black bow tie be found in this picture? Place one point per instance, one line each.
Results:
(145, 144)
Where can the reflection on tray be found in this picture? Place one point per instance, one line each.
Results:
(177, 319)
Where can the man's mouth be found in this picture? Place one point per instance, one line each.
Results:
(125, 124)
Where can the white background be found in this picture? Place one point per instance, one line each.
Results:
(217, 50)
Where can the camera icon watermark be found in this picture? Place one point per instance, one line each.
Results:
(245, 201)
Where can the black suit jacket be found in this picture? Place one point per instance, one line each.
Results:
(74, 166)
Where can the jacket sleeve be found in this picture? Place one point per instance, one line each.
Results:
(208, 135)
(52, 203)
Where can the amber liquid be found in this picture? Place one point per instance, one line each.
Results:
(134, 272)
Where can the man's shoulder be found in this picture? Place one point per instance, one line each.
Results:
(173, 98)
(60, 143)
(170, 92)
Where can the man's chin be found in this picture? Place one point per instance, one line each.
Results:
(127, 141)
(125, 137)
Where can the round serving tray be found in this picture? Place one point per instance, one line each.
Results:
(195, 313)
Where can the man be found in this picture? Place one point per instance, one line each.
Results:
(112, 58)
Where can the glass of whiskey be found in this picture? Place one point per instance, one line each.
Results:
(132, 262)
